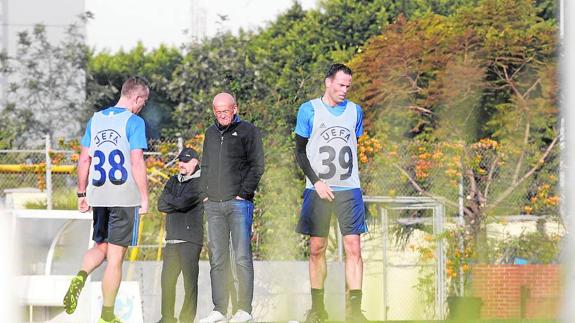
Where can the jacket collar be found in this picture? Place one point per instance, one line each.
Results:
(234, 122)
(195, 174)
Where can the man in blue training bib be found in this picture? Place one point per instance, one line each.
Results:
(112, 180)
(327, 131)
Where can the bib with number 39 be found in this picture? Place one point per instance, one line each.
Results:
(332, 146)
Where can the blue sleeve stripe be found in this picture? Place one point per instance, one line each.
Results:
(304, 123)
(359, 126)
(136, 227)
(136, 131)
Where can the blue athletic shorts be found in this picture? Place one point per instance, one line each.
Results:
(316, 213)
(116, 225)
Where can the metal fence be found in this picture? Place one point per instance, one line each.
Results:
(515, 197)
(51, 170)
(484, 177)
(481, 173)
(404, 265)
(482, 181)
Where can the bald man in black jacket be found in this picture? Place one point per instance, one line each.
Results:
(232, 166)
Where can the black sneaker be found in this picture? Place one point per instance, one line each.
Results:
(73, 293)
(314, 316)
(357, 317)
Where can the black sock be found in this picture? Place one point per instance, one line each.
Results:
(83, 274)
(317, 300)
(107, 313)
(355, 300)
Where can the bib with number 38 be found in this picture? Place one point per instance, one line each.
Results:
(110, 181)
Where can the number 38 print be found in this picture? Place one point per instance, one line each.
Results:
(117, 173)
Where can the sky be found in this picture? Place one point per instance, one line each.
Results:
(122, 23)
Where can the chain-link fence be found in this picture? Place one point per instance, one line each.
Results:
(403, 263)
(50, 171)
(45, 178)
(501, 203)
(484, 178)
(478, 184)
(507, 196)
(40, 174)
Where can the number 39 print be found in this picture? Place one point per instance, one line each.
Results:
(345, 161)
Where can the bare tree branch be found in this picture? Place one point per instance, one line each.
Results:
(531, 88)
(428, 194)
(521, 67)
(523, 152)
(420, 109)
(511, 188)
(490, 177)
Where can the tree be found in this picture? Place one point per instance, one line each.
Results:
(45, 91)
(219, 64)
(107, 72)
(472, 98)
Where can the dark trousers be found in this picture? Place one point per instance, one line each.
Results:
(230, 219)
(180, 257)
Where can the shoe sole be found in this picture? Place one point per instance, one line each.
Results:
(70, 307)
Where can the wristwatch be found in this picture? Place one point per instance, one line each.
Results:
(83, 194)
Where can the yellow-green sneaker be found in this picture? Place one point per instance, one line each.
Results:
(73, 293)
(114, 320)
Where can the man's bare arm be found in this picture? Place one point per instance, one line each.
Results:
(141, 177)
(83, 169)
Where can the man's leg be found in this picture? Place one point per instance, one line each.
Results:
(232, 284)
(351, 216)
(317, 272)
(317, 262)
(112, 279)
(315, 222)
(354, 275)
(218, 247)
(353, 261)
(171, 268)
(189, 254)
(94, 257)
(241, 218)
(91, 260)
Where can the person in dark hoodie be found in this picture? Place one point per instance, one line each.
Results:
(181, 200)
(232, 165)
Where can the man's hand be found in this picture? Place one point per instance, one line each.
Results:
(323, 190)
(143, 207)
(83, 205)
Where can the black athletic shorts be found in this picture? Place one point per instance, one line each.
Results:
(316, 213)
(116, 225)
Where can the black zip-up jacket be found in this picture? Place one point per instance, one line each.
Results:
(182, 202)
(232, 161)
